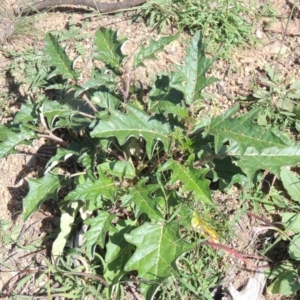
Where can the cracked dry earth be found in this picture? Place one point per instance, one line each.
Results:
(237, 76)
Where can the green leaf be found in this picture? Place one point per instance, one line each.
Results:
(141, 195)
(228, 173)
(118, 251)
(95, 191)
(26, 113)
(165, 99)
(108, 48)
(40, 190)
(89, 158)
(63, 154)
(154, 46)
(294, 247)
(158, 248)
(123, 169)
(271, 73)
(286, 104)
(55, 111)
(274, 272)
(106, 100)
(254, 147)
(22, 282)
(291, 183)
(285, 284)
(76, 104)
(271, 159)
(243, 131)
(192, 179)
(63, 115)
(76, 121)
(117, 243)
(294, 91)
(134, 124)
(10, 137)
(58, 58)
(190, 78)
(97, 231)
(291, 222)
(100, 78)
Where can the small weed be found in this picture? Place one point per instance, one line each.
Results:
(223, 22)
(14, 27)
(6, 100)
(284, 276)
(28, 68)
(198, 271)
(72, 36)
(279, 99)
(268, 10)
(9, 234)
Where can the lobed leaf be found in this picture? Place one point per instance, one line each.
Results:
(10, 137)
(108, 48)
(163, 98)
(100, 78)
(253, 147)
(192, 179)
(228, 173)
(157, 249)
(93, 191)
(190, 78)
(141, 196)
(154, 46)
(26, 113)
(53, 111)
(97, 231)
(63, 154)
(58, 58)
(106, 100)
(118, 251)
(40, 190)
(123, 169)
(243, 131)
(134, 124)
(271, 159)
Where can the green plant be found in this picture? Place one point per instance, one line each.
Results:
(279, 99)
(12, 244)
(68, 279)
(15, 26)
(29, 68)
(223, 22)
(8, 235)
(5, 102)
(72, 36)
(284, 277)
(142, 167)
(268, 10)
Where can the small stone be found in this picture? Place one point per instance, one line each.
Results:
(259, 34)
